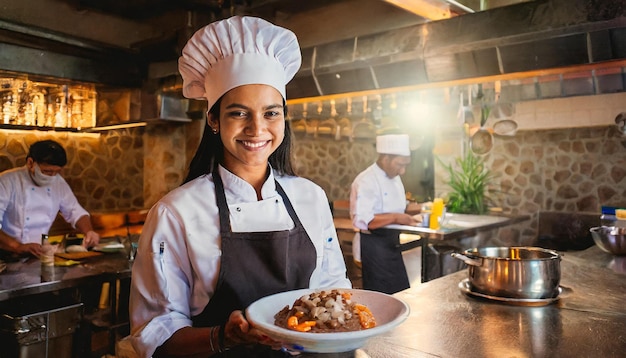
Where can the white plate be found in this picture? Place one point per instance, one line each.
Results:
(388, 311)
(109, 247)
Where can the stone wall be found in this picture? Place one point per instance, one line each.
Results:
(333, 164)
(168, 150)
(575, 170)
(566, 156)
(104, 170)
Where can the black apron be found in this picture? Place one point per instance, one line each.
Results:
(382, 266)
(254, 265)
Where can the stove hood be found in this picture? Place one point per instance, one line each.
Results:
(528, 36)
(525, 37)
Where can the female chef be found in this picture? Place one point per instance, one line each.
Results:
(243, 226)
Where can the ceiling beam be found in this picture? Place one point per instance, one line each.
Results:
(330, 23)
(430, 9)
(62, 18)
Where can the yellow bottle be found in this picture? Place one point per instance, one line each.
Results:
(436, 213)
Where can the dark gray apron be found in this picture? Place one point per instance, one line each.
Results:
(255, 265)
(381, 261)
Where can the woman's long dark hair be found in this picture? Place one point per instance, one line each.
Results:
(210, 151)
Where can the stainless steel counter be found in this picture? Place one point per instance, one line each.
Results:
(588, 319)
(455, 227)
(68, 299)
(28, 276)
(461, 225)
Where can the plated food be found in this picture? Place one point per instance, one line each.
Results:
(326, 311)
(387, 310)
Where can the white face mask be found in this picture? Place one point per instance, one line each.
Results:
(42, 179)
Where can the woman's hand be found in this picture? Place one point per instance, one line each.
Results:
(238, 331)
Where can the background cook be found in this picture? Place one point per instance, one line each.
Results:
(377, 199)
(31, 197)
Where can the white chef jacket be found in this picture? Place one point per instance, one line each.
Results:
(173, 284)
(28, 210)
(373, 192)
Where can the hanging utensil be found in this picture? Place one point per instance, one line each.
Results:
(312, 123)
(505, 127)
(299, 126)
(481, 142)
(345, 123)
(329, 126)
(364, 129)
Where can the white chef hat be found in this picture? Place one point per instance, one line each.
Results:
(237, 51)
(395, 144)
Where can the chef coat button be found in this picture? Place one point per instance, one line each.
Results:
(27, 218)
(238, 209)
(276, 201)
(330, 239)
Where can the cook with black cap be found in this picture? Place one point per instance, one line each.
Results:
(243, 225)
(377, 199)
(31, 196)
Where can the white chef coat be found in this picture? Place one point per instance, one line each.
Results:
(171, 285)
(28, 210)
(373, 192)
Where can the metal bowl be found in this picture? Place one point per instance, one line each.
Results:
(611, 239)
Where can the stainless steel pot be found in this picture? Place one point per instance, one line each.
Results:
(513, 272)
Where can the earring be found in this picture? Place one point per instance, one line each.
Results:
(214, 131)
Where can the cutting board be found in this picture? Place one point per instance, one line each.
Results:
(58, 261)
(78, 255)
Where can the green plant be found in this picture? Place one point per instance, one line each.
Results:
(469, 181)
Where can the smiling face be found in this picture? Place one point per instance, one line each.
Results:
(251, 126)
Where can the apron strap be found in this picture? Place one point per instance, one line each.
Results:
(220, 198)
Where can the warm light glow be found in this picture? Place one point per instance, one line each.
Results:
(51, 133)
(117, 126)
(24, 102)
(430, 9)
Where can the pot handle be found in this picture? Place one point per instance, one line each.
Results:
(466, 259)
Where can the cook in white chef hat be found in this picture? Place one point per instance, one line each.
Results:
(238, 51)
(394, 144)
